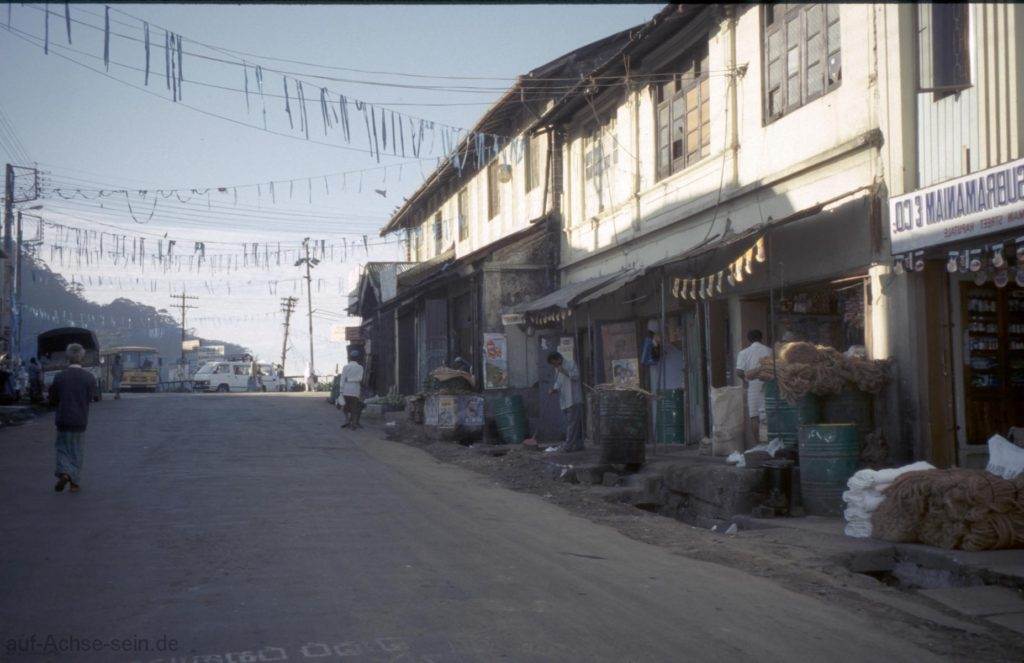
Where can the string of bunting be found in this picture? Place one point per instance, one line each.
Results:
(707, 286)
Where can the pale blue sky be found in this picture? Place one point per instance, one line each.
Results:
(70, 118)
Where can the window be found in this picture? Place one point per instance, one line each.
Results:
(801, 52)
(943, 48)
(493, 190)
(415, 239)
(600, 156)
(684, 113)
(438, 235)
(531, 158)
(463, 213)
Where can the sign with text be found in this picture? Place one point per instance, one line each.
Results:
(981, 203)
(509, 319)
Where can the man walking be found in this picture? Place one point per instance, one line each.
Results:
(351, 391)
(116, 373)
(747, 361)
(71, 392)
(570, 400)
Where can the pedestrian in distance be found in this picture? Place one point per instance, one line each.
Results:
(35, 381)
(352, 391)
(116, 374)
(71, 392)
(570, 401)
(747, 361)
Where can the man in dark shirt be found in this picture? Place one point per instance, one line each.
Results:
(71, 392)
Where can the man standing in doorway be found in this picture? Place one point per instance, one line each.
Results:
(351, 390)
(747, 362)
(570, 400)
(116, 374)
(71, 392)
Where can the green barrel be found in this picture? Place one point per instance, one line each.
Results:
(669, 416)
(850, 406)
(829, 455)
(784, 419)
(620, 425)
(510, 418)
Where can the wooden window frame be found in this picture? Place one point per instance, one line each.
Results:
(531, 161)
(925, 39)
(462, 210)
(493, 191)
(604, 136)
(438, 228)
(672, 101)
(775, 22)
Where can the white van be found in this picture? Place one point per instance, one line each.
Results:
(269, 378)
(223, 376)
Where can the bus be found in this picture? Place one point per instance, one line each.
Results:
(140, 368)
(50, 347)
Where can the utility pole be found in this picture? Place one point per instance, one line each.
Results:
(310, 263)
(8, 275)
(287, 307)
(184, 306)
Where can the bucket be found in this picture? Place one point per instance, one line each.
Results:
(510, 419)
(784, 419)
(829, 454)
(620, 425)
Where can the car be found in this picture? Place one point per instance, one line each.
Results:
(224, 376)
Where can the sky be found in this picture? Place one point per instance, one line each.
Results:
(120, 157)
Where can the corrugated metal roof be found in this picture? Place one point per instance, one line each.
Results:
(565, 296)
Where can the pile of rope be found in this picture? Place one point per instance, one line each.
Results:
(966, 509)
(801, 368)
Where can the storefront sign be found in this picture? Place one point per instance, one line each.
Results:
(981, 203)
(509, 319)
(495, 361)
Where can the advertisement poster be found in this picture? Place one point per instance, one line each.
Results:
(566, 348)
(430, 411)
(472, 411)
(619, 353)
(495, 361)
(446, 411)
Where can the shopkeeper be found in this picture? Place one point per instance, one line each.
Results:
(747, 361)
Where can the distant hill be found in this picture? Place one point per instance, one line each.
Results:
(49, 301)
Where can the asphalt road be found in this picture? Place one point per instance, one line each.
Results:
(247, 528)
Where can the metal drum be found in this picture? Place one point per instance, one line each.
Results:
(829, 454)
(784, 419)
(620, 425)
(510, 419)
(669, 416)
(850, 406)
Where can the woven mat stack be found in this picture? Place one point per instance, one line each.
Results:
(802, 368)
(957, 508)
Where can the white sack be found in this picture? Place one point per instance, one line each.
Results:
(1005, 459)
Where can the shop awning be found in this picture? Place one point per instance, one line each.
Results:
(613, 285)
(566, 296)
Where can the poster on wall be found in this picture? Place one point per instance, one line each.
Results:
(566, 348)
(472, 413)
(446, 411)
(430, 411)
(495, 361)
(619, 353)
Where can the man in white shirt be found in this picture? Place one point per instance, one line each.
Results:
(351, 390)
(747, 362)
(570, 400)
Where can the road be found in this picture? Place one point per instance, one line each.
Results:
(244, 528)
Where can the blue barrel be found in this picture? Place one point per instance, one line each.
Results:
(510, 419)
(785, 418)
(850, 406)
(829, 455)
(669, 417)
(620, 425)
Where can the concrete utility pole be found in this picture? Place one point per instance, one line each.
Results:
(310, 263)
(8, 275)
(287, 307)
(183, 298)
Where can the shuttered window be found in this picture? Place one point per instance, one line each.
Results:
(684, 113)
(493, 191)
(801, 50)
(943, 48)
(463, 212)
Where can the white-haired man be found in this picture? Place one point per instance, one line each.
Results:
(71, 392)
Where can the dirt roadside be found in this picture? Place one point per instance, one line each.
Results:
(797, 560)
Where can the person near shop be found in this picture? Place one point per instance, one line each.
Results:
(35, 381)
(116, 374)
(72, 391)
(747, 361)
(570, 400)
(351, 391)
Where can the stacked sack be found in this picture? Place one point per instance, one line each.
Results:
(865, 496)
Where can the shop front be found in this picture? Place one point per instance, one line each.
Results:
(963, 240)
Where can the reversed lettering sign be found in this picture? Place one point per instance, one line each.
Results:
(981, 203)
